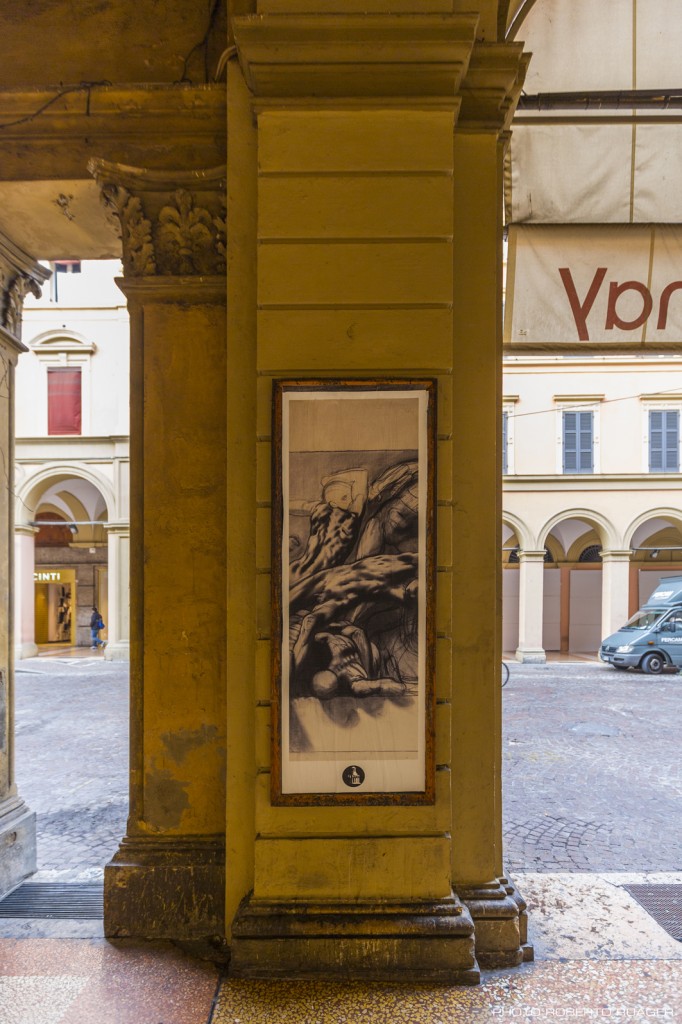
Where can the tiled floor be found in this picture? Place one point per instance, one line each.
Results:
(90, 981)
(599, 957)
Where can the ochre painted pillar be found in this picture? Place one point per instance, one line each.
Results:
(167, 878)
(476, 459)
(531, 580)
(615, 590)
(118, 624)
(24, 591)
(18, 274)
(375, 239)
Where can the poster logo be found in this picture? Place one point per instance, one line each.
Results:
(353, 775)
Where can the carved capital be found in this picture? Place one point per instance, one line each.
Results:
(19, 275)
(172, 224)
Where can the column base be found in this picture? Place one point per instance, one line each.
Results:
(501, 922)
(17, 843)
(166, 888)
(423, 941)
(26, 650)
(117, 650)
(531, 656)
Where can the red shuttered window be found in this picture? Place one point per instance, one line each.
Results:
(63, 401)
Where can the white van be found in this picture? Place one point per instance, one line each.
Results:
(652, 639)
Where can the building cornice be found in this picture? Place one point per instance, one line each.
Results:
(592, 482)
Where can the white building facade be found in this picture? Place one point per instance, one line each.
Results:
(72, 462)
(592, 514)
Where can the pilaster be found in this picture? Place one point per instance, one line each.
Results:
(167, 878)
(24, 591)
(19, 273)
(355, 242)
(531, 586)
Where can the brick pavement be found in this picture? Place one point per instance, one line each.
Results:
(592, 774)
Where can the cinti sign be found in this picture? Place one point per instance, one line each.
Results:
(613, 285)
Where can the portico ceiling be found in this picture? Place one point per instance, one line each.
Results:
(58, 219)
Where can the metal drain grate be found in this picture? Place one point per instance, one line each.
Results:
(51, 900)
(663, 902)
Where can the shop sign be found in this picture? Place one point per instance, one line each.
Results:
(614, 286)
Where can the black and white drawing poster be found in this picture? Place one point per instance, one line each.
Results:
(353, 588)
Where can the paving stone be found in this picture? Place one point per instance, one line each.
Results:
(592, 775)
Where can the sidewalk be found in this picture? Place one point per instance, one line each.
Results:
(599, 956)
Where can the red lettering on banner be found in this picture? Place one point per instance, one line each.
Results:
(616, 290)
(665, 301)
(581, 310)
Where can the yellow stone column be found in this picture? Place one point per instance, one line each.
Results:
(368, 243)
(19, 273)
(167, 879)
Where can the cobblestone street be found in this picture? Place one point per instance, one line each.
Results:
(592, 772)
(592, 775)
(72, 759)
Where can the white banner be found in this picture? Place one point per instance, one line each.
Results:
(594, 284)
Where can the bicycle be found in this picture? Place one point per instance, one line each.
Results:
(505, 673)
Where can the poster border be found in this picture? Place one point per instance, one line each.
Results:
(419, 797)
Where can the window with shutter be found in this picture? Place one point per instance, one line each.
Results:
(664, 441)
(578, 442)
(64, 401)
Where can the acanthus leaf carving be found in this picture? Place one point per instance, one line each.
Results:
(136, 230)
(184, 237)
(15, 294)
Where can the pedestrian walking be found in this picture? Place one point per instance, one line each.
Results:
(96, 624)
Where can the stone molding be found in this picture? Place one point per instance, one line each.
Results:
(198, 289)
(107, 121)
(166, 887)
(616, 555)
(429, 941)
(500, 921)
(415, 60)
(19, 275)
(362, 56)
(173, 223)
(492, 86)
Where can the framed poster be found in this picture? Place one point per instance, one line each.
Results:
(353, 591)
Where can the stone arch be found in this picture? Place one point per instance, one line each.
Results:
(600, 524)
(672, 515)
(522, 532)
(29, 493)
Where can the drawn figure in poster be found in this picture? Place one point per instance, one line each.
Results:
(353, 587)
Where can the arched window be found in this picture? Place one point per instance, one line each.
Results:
(591, 554)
